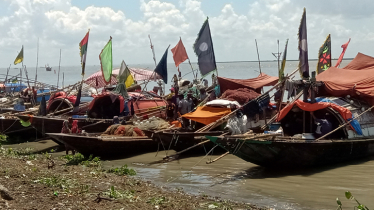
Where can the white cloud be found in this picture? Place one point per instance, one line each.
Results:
(59, 24)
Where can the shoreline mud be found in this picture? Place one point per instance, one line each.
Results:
(44, 180)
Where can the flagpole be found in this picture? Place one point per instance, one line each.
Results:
(7, 72)
(58, 75)
(63, 78)
(37, 59)
(258, 56)
(20, 71)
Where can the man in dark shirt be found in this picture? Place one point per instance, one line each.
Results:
(324, 126)
(170, 110)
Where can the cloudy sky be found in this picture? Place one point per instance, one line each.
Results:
(235, 24)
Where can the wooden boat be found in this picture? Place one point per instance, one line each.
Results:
(105, 146)
(295, 152)
(292, 150)
(54, 124)
(179, 140)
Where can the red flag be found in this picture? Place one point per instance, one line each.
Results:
(179, 53)
(344, 46)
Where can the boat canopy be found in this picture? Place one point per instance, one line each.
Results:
(295, 117)
(207, 114)
(138, 74)
(254, 83)
(356, 79)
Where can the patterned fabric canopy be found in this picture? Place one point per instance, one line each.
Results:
(137, 73)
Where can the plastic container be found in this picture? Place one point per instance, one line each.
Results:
(274, 126)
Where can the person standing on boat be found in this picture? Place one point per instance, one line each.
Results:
(170, 110)
(324, 126)
(184, 107)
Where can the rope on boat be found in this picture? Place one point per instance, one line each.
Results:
(15, 120)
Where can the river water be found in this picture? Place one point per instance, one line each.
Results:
(233, 178)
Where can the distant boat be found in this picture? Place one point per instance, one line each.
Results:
(47, 68)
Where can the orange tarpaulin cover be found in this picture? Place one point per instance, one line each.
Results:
(344, 112)
(357, 78)
(207, 114)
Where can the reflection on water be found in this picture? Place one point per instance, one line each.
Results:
(233, 178)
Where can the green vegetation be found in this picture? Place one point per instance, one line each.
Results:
(349, 196)
(122, 171)
(3, 138)
(79, 159)
(116, 194)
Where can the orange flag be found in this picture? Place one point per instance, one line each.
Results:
(179, 53)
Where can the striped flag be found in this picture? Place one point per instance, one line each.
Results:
(83, 50)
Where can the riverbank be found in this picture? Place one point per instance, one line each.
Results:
(47, 181)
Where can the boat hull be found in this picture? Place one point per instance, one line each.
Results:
(106, 146)
(297, 153)
(54, 125)
(179, 141)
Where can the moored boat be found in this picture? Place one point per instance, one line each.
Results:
(105, 146)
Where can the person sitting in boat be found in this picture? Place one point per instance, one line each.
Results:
(170, 110)
(324, 126)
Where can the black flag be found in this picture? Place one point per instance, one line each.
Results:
(161, 68)
(203, 48)
(303, 48)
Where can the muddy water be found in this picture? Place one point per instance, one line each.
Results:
(236, 179)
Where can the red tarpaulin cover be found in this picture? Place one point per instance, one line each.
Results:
(344, 112)
(357, 78)
(254, 83)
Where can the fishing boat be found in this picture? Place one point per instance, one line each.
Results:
(48, 68)
(105, 146)
(298, 146)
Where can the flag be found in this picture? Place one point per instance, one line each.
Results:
(324, 56)
(203, 48)
(283, 65)
(344, 46)
(83, 50)
(179, 53)
(106, 61)
(161, 68)
(124, 75)
(303, 48)
(19, 57)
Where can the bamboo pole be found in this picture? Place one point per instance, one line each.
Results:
(212, 161)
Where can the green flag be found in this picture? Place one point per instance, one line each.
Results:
(106, 61)
(283, 65)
